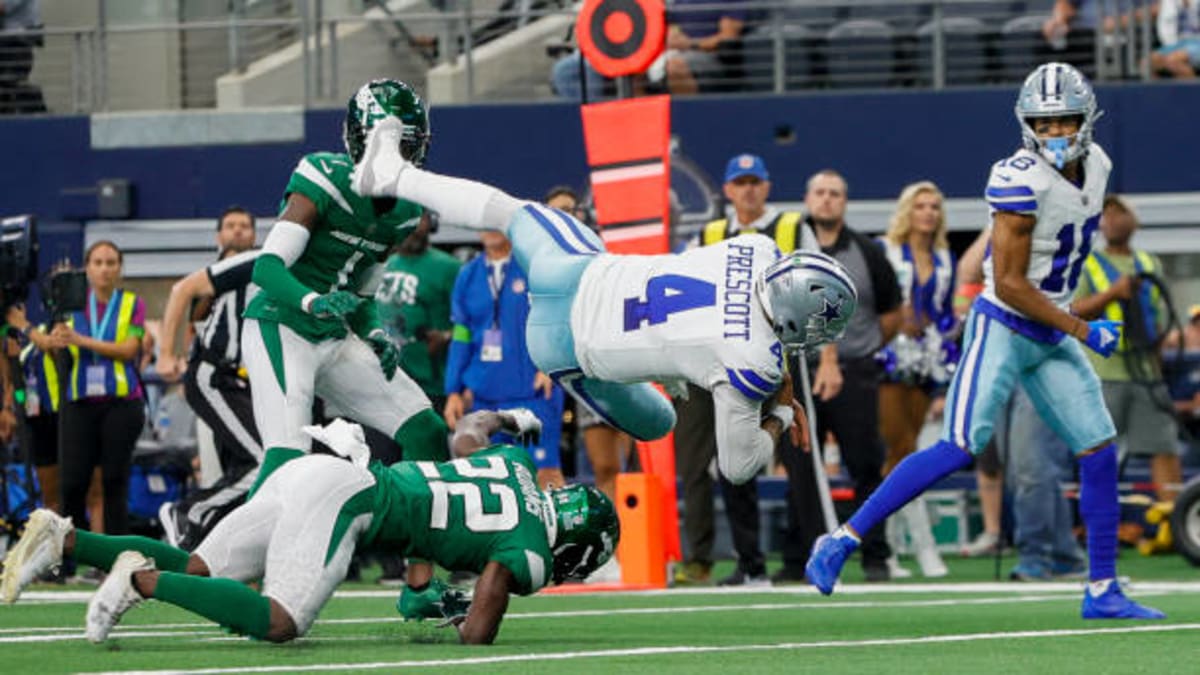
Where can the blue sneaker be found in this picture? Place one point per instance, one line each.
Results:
(825, 563)
(1030, 570)
(1112, 604)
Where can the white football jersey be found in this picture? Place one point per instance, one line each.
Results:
(691, 316)
(1068, 218)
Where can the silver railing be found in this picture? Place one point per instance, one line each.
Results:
(504, 50)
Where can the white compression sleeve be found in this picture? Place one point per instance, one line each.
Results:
(458, 201)
(286, 240)
(743, 448)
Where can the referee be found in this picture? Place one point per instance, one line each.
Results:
(214, 382)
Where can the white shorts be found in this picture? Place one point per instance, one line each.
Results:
(345, 373)
(297, 534)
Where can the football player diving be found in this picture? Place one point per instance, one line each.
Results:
(1045, 202)
(605, 326)
(482, 513)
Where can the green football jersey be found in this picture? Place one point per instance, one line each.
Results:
(464, 513)
(348, 240)
(414, 294)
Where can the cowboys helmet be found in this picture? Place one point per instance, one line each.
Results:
(587, 531)
(808, 297)
(377, 100)
(1057, 90)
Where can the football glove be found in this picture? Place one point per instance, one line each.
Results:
(385, 349)
(523, 424)
(437, 601)
(1103, 336)
(335, 305)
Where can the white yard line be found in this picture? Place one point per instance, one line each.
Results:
(799, 589)
(682, 649)
(48, 634)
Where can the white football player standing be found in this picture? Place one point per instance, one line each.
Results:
(604, 326)
(1046, 202)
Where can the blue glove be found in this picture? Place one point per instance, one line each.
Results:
(1103, 336)
(335, 305)
(385, 349)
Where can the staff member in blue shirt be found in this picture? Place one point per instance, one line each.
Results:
(488, 365)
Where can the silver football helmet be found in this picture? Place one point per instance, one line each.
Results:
(1055, 90)
(808, 297)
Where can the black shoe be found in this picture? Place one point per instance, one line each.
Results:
(741, 577)
(788, 575)
(876, 573)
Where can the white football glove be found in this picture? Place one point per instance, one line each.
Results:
(522, 423)
(378, 173)
(345, 438)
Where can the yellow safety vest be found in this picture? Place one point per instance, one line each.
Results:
(1101, 282)
(783, 230)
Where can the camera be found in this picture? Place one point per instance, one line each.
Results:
(18, 258)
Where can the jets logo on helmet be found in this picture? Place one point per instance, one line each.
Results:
(380, 99)
(808, 297)
(585, 531)
(1057, 90)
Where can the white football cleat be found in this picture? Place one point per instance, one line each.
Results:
(116, 595)
(39, 550)
(378, 173)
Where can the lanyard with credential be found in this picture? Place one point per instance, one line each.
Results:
(496, 286)
(98, 331)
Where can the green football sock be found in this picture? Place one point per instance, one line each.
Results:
(423, 437)
(225, 601)
(100, 550)
(272, 459)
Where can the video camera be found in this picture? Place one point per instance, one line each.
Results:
(63, 291)
(18, 259)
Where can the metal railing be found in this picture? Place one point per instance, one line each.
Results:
(463, 53)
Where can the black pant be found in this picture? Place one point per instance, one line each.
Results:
(853, 418)
(222, 401)
(98, 433)
(695, 448)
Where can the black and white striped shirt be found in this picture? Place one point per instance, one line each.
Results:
(219, 339)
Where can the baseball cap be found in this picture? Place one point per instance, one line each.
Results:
(746, 165)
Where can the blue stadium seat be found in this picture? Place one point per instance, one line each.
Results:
(964, 39)
(800, 54)
(862, 53)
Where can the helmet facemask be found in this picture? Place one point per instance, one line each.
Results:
(586, 531)
(1057, 90)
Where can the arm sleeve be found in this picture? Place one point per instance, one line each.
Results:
(233, 272)
(284, 246)
(1010, 188)
(743, 448)
(365, 319)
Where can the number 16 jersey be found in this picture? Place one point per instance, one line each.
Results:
(1068, 217)
(690, 317)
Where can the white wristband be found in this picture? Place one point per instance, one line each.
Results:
(784, 414)
(307, 301)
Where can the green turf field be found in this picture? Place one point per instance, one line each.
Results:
(969, 625)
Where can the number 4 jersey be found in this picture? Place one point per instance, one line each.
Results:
(690, 317)
(1067, 216)
(466, 512)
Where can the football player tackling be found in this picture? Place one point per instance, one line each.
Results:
(605, 325)
(481, 513)
(1045, 202)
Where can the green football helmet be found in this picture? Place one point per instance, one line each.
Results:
(587, 531)
(377, 100)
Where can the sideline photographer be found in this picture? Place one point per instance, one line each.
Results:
(1122, 283)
